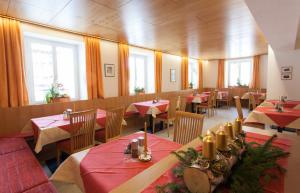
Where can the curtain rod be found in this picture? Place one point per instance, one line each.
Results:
(82, 34)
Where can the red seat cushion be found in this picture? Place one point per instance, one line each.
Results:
(162, 116)
(42, 188)
(20, 171)
(100, 135)
(8, 145)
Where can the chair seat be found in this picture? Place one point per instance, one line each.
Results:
(100, 135)
(64, 145)
(162, 116)
(203, 105)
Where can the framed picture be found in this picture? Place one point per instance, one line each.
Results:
(286, 69)
(286, 76)
(109, 70)
(172, 75)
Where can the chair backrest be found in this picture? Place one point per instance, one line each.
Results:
(172, 108)
(187, 126)
(215, 98)
(82, 130)
(239, 107)
(210, 99)
(113, 123)
(252, 100)
(182, 105)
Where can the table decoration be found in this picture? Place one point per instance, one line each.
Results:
(229, 130)
(238, 168)
(146, 155)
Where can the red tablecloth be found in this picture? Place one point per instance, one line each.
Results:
(275, 186)
(287, 104)
(105, 166)
(58, 121)
(199, 98)
(281, 119)
(148, 107)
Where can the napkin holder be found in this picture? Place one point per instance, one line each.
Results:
(66, 114)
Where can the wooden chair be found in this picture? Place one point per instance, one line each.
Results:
(215, 104)
(252, 101)
(187, 127)
(182, 104)
(208, 106)
(227, 100)
(167, 117)
(82, 131)
(113, 126)
(241, 116)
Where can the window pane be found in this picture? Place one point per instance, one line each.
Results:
(233, 73)
(245, 73)
(42, 64)
(66, 70)
(140, 72)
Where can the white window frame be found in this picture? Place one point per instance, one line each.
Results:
(29, 67)
(193, 62)
(228, 70)
(145, 58)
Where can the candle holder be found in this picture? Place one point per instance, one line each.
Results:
(145, 157)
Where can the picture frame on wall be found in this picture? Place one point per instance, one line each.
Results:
(172, 75)
(286, 76)
(286, 69)
(109, 70)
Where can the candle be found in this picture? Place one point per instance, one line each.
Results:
(209, 149)
(221, 140)
(145, 139)
(237, 125)
(229, 130)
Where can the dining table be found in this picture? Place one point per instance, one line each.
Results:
(258, 96)
(269, 115)
(104, 167)
(54, 128)
(294, 104)
(160, 173)
(151, 107)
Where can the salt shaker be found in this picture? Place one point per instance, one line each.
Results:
(134, 148)
(141, 145)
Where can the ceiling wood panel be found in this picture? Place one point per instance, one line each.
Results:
(207, 29)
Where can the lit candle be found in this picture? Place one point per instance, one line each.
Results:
(221, 140)
(145, 139)
(209, 148)
(229, 130)
(237, 125)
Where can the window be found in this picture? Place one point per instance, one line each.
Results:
(238, 72)
(193, 73)
(141, 73)
(48, 62)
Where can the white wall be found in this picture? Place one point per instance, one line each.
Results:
(210, 73)
(277, 87)
(109, 55)
(170, 62)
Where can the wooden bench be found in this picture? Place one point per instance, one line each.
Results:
(20, 171)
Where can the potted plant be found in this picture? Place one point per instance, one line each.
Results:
(139, 90)
(191, 85)
(239, 84)
(54, 94)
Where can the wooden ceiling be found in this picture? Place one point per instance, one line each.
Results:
(207, 29)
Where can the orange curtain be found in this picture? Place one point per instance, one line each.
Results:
(255, 83)
(220, 82)
(184, 73)
(200, 76)
(158, 71)
(123, 70)
(93, 68)
(12, 75)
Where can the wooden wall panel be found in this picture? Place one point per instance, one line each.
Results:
(13, 120)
